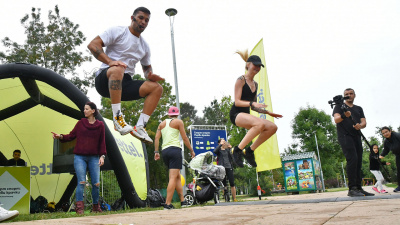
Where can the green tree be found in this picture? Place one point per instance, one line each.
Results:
(53, 46)
(214, 115)
(188, 112)
(309, 122)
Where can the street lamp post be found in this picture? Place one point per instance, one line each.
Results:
(171, 12)
(320, 164)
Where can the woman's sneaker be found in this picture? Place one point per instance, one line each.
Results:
(237, 156)
(184, 204)
(383, 191)
(167, 207)
(376, 189)
(249, 156)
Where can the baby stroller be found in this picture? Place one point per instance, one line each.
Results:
(207, 179)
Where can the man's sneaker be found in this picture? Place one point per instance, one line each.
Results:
(136, 133)
(184, 204)
(376, 189)
(170, 206)
(383, 191)
(120, 125)
(397, 189)
(237, 156)
(249, 156)
(365, 193)
(235, 200)
(354, 192)
(7, 215)
(142, 132)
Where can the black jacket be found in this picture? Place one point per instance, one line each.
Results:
(221, 162)
(12, 162)
(392, 144)
(374, 161)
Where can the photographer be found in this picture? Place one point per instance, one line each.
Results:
(350, 119)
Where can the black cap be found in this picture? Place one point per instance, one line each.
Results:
(255, 60)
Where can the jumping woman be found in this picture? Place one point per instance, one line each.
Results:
(246, 97)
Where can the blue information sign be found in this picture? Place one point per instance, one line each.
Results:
(206, 140)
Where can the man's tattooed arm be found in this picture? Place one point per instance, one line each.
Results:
(96, 52)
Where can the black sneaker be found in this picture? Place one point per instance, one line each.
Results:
(167, 207)
(249, 156)
(184, 204)
(354, 192)
(365, 193)
(237, 156)
(397, 189)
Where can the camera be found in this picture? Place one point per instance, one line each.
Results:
(339, 100)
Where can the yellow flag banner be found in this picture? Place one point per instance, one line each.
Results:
(267, 154)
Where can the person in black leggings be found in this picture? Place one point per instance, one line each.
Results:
(225, 159)
(246, 97)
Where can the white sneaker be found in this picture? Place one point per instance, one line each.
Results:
(136, 134)
(120, 125)
(142, 132)
(7, 215)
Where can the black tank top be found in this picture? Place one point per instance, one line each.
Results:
(247, 95)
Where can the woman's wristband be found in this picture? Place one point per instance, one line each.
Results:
(61, 137)
(251, 103)
(156, 152)
(103, 156)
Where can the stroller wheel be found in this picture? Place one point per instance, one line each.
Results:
(190, 199)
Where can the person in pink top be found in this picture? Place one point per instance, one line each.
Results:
(90, 151)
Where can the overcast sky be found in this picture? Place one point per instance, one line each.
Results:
(314, 49)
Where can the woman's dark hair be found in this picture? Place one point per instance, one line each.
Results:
(385, 128)
(371, 152)
(93, 106)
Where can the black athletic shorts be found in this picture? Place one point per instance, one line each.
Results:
(229, 175)
(172, 157)
(130, 88)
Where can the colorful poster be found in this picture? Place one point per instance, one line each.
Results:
(15, 188)
(305, 174)
(290, 176)
(317, 168)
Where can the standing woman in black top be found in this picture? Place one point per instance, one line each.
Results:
(246, 97)
(392, 143)
(223, 151)
(374, 168)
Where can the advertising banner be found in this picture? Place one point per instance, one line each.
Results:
(305, 174)
(206, 140)
(15, 188)
(267, 154)
(290, 176)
